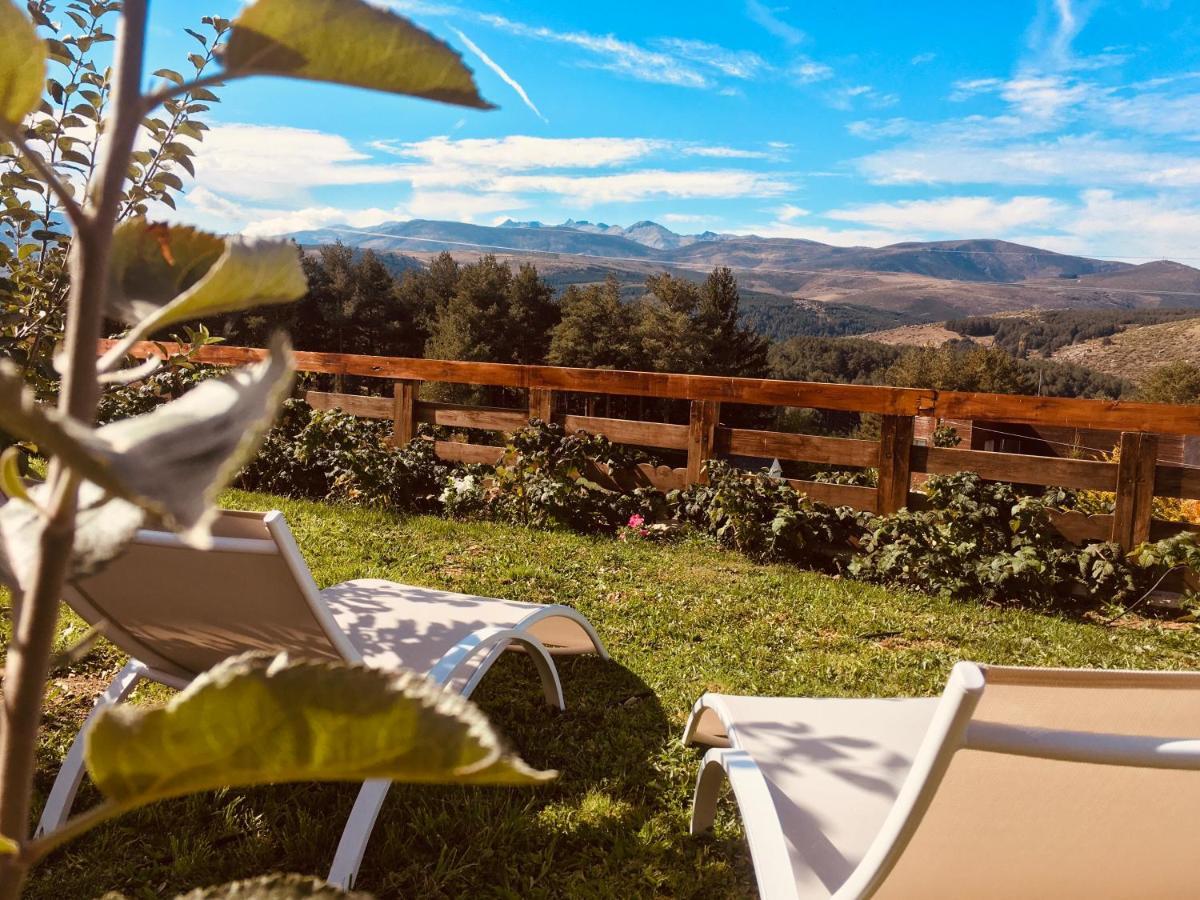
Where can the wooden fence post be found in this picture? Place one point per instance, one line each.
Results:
(404, 411)
(541, 404)
(895, 465)
(702, 428)
(1135, 489)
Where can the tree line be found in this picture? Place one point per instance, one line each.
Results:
(488, 311)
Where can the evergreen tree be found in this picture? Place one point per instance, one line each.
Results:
(1177, 382)
(597, 330)
(665, 318)
(723, 345)
(473, 324)
(532, 316)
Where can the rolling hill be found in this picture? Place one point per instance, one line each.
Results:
(1137, 352)
(786, 279)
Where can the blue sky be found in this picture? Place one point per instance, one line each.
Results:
(1067, 124)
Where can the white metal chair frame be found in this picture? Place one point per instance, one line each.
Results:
(950, 730)
(488, 642)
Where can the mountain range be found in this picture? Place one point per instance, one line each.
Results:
(902, 283)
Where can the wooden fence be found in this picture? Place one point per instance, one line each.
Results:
(1135, 480)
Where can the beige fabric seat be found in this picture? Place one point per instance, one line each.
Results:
(178, 611)
(1015, 783)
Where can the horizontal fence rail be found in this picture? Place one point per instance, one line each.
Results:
(1135, 479)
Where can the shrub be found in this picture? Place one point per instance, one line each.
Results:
(975, 540)
(334, 456)
(985, 541)
(766, 517)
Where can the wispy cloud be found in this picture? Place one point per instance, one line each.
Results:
(1084, 160)
(768, 18)
(261, 179)
(613, 53)
(743, 64)
(522, 152)
(960, 216)
(922, 58)
(807, 71)
(504, 76)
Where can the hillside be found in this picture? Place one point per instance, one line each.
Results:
(869, 288)
(932, 335)
(1161, 275)
(1137, 352)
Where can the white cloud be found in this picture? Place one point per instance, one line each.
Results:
(959, 216)
(876, 129)
(504, 76)
(1042, 97)
(1147, 226)
(689, 218)
(769, 19)
(807, 71)
(789, 211)
(922, 58)
(260, 178)
(1085, 160)
(262, 223)
(626, 187)
(742, 64)
(846, 97)
(521, 152)
(265, 163)
(967, 88)
(616, 55)
(719, 152)
(838, 237)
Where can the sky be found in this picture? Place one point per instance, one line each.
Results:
(1064, 124)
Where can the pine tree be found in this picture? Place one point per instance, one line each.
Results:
(664, 330)
(723, 345)
(473, 325)
(532, 316)
(597, 330)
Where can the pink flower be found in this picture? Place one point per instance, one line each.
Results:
(636, 521)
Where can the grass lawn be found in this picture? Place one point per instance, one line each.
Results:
(679, 619)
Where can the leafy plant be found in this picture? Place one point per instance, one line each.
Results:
(61, 137)
(766, 517)
(324, 721)
(986, 541)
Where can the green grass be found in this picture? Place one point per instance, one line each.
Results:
(679, 619)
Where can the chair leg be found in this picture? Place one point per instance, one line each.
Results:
(357, 832)
(488, 641)
(709, 782)
(66, 785)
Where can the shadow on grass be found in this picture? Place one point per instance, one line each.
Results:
(613, 822)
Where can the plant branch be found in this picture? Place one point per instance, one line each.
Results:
(74, 211)
(151, 101)
(27, 666)
(89, 256)
(35, 850)
(25, 674)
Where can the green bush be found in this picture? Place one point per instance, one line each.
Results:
(974, 540)
(334, 456)
(766, 517)
(986, 541)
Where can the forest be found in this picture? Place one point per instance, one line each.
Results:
(1057, 328)
(486, 311)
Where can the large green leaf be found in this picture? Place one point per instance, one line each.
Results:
(274, 887)
(173, 461)
(255, 720)
(348, 42)
(103, 526)
(22, 65)
(165, 274)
